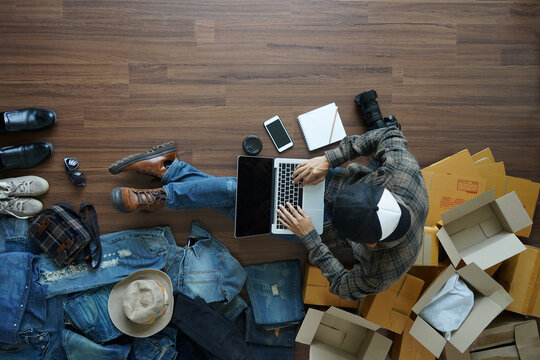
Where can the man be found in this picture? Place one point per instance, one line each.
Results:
(378, 211)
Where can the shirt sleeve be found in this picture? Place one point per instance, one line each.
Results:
(375, 142)
(347, 284)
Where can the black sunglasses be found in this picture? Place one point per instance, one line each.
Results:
(76, 177)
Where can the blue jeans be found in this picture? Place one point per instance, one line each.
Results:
(123, 253)
(161, 346)
(232, 309)
(275, 293)
(88, 312)
(77, 347)
(266, 344)
(14, 236)
(189, 188)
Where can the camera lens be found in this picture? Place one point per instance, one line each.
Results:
(371, 113)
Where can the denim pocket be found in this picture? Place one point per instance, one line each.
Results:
(89, 313)
(154, 241)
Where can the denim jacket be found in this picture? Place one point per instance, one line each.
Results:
(19, 270)
(205, 268)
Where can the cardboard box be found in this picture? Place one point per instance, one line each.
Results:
(482, 230)
(448, 191)
(520, 276)
(429, 252)
(527, 191)
(451, 353)
(315, 291)
(405, 347)
(502, 332)
(459, 164)
(392, 307)
(339, 335)
(519, 341)
(489, 301)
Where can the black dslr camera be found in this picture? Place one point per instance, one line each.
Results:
(371, 112)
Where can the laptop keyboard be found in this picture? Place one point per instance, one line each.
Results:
(287, 191)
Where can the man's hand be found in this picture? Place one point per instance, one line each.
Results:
(298, 221)
(312, 171)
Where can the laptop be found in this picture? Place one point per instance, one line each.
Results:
(262, 184)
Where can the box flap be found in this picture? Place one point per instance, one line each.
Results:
(486, 153)
(427, 336)
(449, 246)
(527, 191)
(432, 290)
(460, 163)
(512, 210)
(322, 351)
(527, 340)
(467, 207)
(352, 318)
(375, 347)
(493, 250)
(493, 168)
(478, 279)
(309, 326)
(483, 312)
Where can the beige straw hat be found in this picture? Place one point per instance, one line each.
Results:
(142, 304)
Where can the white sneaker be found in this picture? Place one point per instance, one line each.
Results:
(21, 208)
(23, 186)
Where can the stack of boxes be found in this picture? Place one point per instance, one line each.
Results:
(475, 213)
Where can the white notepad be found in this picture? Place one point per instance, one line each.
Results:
(316, 127)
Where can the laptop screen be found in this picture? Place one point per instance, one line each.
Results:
(253, 195)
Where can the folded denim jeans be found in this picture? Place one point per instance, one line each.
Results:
(232, 309)
(88, 313)
(14, 236)
(267, 344)
(161, 346)
(77, 347)
(212, 331)
(275, 293)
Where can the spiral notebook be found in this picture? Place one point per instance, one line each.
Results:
(317, 125)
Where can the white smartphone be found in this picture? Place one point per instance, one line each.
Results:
(280, 137)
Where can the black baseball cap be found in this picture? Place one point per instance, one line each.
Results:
(368, 213)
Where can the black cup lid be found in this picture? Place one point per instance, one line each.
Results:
(252, 145)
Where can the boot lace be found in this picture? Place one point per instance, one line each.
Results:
(158, 147)
(150, 197)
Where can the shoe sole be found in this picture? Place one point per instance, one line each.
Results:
(116, 199)
(118, 166)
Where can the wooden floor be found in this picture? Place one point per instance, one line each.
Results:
(125, 75)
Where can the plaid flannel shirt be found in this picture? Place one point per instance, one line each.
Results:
(379, 267)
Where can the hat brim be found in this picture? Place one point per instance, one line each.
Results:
(402, 227)
(116, 311)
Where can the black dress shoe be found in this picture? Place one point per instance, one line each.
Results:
(28, 119)
(24, 156)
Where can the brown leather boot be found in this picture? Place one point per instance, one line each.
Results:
(153, 162)
(126, 199)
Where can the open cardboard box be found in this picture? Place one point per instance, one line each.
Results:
(339, 335)
(481, 230)
(490, 299)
